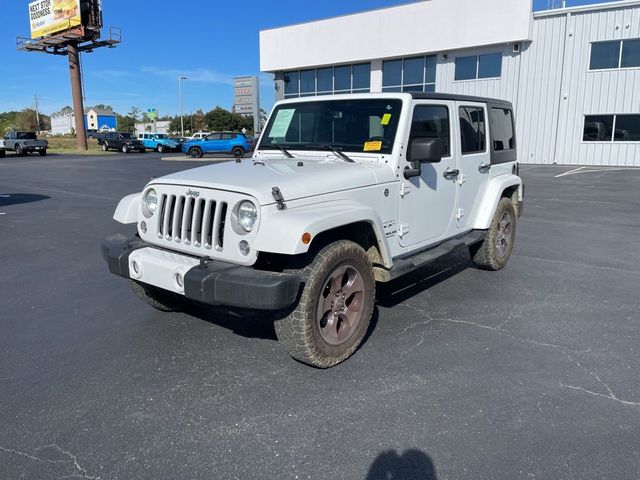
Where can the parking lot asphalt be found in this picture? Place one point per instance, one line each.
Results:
(530, 372)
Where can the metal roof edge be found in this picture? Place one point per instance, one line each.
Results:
(594, 7)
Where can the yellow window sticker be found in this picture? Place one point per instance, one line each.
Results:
(386, 118)
(375, 146)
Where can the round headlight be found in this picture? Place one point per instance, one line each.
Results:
(150, 201)
(247, 215)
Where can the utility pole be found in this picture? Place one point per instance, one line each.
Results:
(37, 113)
(180, 79)
(76, 93)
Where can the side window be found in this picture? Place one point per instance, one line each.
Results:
(229, 136)
(502, 129)
(432, 121)
(473, 132)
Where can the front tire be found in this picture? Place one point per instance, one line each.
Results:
(494, 251)
(335, 308)
(238, 152)
(42, 152)
(195, 152)
(157, 298)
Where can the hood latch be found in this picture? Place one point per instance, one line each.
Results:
(277, 196)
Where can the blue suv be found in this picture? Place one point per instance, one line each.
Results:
(236, 144)
(159, 142)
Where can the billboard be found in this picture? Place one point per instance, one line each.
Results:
(47, 17)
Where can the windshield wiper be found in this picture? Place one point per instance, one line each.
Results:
(285, 152)
(335, 151)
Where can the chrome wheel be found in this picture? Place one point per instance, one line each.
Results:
(504, 235)
(341, 305)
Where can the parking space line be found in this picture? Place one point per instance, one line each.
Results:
(578, 170)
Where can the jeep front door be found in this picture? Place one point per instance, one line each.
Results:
(475, 160)
(427, 202)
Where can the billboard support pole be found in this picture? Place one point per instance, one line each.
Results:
(76, 92)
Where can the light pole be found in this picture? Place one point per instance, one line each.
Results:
(180, 95)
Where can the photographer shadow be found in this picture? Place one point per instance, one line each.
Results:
(411, 465)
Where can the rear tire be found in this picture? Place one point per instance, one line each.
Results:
(105, 147)
(335, 308)
(20, 152)
(157, 298)
(125, 149)
(195, 152)
(238, 152)
(160, 149)
(2, 153)
(494, 251)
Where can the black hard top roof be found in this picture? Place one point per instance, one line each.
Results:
(458, 98)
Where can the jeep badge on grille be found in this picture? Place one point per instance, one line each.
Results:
(193, 193)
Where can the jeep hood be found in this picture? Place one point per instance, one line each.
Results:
(257, 178)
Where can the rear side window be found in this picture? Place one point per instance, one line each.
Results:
(473, 131)
(502, 129)
(432, 121)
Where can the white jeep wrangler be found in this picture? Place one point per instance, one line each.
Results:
(341, 192)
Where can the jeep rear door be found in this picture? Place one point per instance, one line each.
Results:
(427, 202)
(475, 159)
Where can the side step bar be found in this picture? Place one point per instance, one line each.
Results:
(406, 265)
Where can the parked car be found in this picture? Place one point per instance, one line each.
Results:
(159, 142)
(342, 192)
(199, 135)
(236, 144)
(122, 141)
(23, 143)
(97, 134)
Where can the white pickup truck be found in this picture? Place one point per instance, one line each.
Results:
(341, 192)
(22, 143)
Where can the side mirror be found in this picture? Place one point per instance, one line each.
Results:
(426, 150)
(423, 150)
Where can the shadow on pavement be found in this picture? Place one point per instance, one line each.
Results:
(18, 198)
(412, 465)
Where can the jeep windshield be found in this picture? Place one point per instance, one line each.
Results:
(357, 125)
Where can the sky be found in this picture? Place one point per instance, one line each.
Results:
(208, 41)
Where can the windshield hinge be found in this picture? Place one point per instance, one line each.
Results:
(277, 196)
(404, 189)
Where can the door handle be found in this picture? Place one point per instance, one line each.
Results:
(451, 173)
(483, 167)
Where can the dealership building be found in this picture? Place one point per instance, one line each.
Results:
(573, 74)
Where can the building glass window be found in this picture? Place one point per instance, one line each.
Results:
(415, 74)
(598, 128)
(361, 77)
(291, 84)
(432, 121)
(615, 54)
(490, 66)
(616, 128)
(630, 54)
(329, 80)
(627, 128)
(466, 68)
(605, 55)
(324, 78)
(473, 132)
(478, 66)
(342, 78)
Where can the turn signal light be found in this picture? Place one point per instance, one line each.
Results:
(306, 238)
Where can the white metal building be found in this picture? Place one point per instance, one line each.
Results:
(573, 74)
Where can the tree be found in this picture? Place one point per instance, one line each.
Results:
(174, 124)
(220, 119)
(126, 123)
(198, 121)
(26, 120)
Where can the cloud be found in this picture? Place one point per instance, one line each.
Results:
(202, 75)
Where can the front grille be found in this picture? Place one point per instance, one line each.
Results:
(193, 221)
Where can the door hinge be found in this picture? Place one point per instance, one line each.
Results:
(461, 179)
(404, 189)
(403, 230)
(459, 213)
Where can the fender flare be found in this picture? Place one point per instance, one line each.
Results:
(127, 209)
(285, 227)
(491, 197)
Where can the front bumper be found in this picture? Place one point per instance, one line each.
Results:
(210, 282)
